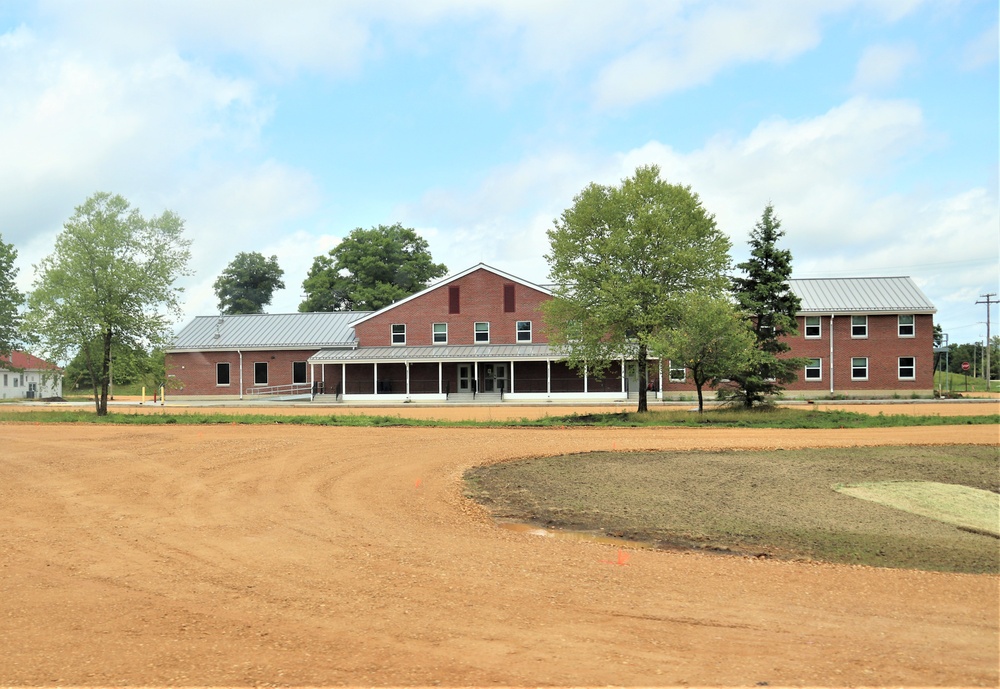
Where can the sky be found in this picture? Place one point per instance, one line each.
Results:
(279, 127)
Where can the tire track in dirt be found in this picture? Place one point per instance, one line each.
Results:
(243, 555)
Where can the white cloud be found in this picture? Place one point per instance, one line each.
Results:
(882, 66)
(982, 50)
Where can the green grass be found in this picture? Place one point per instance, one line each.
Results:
(721, 418)
(961, 383)
(780, 504)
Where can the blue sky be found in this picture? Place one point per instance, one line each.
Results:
(872, 126)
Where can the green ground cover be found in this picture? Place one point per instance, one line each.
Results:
(721, 418)
(770, 504)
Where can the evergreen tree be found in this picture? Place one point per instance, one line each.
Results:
(766, 299)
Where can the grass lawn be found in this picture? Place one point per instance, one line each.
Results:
(780, 504)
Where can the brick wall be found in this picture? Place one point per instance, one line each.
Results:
(194, 373)
(481, 295)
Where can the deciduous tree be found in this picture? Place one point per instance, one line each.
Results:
(111, 279)
(765, 296)
(10, 300)
(248, 283)
(623, 259)
(711, 339)
(369, 270)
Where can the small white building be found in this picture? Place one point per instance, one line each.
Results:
(23, 376)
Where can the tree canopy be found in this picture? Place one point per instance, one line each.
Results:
(766, 298)
(10, 300)
(248, 283)
(111, 280)
(711, 339)
(623, 259)
(369, 270)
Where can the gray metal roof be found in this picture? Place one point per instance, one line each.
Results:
(435, 353)
(285, 330)
(861, 295)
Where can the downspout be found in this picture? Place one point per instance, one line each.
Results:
(831, 355)
(240, 352)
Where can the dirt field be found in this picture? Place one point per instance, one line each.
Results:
(315, 556)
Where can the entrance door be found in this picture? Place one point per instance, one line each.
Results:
(464, 377)
(494, 377)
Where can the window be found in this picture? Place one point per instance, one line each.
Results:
(859, 326)
(453, 300)
(222, 374)
(5, 380)
(298, 372)
(440, 333)
(508, 299)
(906, 326)
(676, 374)
(524, 331)
(859, 368)
(813, 327)
(260, 373)
(482, 332)
(907, 368)
(814, 369)
(399, 333)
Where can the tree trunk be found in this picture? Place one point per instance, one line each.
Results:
(641, 371)
(701, 401)
(102, 405)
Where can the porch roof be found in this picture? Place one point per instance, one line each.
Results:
(510, 352)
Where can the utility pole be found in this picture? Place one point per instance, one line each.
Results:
(988, 343)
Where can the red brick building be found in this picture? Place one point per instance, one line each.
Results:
(479, 335)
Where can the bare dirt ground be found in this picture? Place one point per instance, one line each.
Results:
(249, 555)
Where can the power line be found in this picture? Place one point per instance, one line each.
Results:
(988, 343)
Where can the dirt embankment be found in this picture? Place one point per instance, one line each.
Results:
(315, 556)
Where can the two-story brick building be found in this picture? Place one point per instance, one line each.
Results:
(479, 335)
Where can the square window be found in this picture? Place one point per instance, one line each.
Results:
(298, 372)
(440, 333)
(907, 368)
(399, 333)
(859, 326)
(676, 374)
(813, 326)
(859, 368)
(482, 332)
(524, 331)
(260, 373)
(906, 326)
(814, 369)
(222, 374)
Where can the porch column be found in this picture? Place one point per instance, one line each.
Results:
(659, 387)
(375, 386)
(343, 380)
(511, 377)
(407, 364)
(623, 375)
(440, 377)
(585, 379)
(548, 377)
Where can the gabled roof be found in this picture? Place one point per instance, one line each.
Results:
(452, 278)
(861, 295)
(28, 362)
(271, 331)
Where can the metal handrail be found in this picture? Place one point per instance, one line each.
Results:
(293, 389)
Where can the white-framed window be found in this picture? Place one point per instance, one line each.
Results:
(907, 368)
(676, 373)
(859, 368)
(399, 333)
(260, 373)
(814, 369)
(859, 326)
(222, 373)
(907, 326)
(439, 333)
(524, 331)
(482, 332)
(299, 372)
(814, 327)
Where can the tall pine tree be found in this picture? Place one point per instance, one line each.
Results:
(766, 299)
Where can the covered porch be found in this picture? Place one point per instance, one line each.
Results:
(460, 374)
